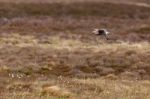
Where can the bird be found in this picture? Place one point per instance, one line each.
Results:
(103, 32)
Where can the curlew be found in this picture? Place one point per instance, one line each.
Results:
(103, 32)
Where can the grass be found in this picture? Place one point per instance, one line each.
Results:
(47, 50)
(84, 9)
(68, 68)
(144, 30)
(68, 1)
(63, 57)
(85, 88)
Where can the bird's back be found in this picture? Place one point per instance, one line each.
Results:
(101, 32)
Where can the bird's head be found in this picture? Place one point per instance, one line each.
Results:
(95, 31)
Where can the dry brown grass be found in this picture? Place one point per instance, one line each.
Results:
(99, 88)
(68, 57)
(47, 50)
(71, 1)
(52, 62)
(74, 9)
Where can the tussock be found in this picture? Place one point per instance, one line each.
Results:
(55, 91)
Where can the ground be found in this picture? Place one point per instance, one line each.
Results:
(48, 51)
